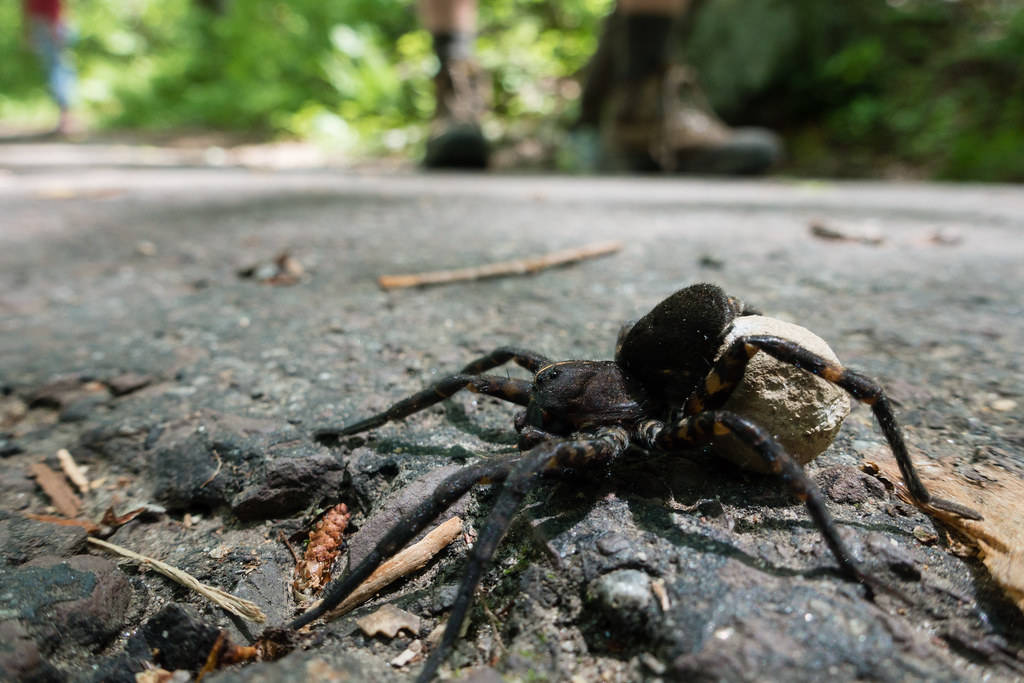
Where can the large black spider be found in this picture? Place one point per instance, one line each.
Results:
(657, 394)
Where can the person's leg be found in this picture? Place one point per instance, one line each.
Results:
(456, 140)
(652, 114)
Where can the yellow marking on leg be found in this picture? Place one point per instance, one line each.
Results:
(751, 350)
(720, 429)
(833, 373)
(713, 383)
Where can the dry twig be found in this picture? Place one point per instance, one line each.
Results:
(238, 606)
(406, 562)
(516, 267)
(90, 527)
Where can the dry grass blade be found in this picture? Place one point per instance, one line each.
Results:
(409, 560)
(235, 605)
(516, 267)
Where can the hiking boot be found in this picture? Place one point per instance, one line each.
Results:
(664, 122)
(456, 139)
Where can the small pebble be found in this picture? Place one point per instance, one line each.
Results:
(1003, 405)
(926, 536)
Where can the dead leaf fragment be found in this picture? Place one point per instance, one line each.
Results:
(1000, 496)
(388, 621)
(54, 486)
(865, 234)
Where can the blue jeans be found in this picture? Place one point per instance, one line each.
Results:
(50, 42)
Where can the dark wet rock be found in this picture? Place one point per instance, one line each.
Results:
(121, 668)
(848, 485)
(78, 601)
(904, 561)
(20, 659)
(23, 539)
(180, 639)
(261, 468)
(292, 480)
(327, 664)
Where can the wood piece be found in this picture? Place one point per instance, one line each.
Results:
(406, 562)
(54, 486)
(515, 267)
(235, 605)
(72, 471)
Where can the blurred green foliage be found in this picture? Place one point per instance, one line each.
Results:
(932, 86)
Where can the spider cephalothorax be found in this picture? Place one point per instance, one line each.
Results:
(665, 391)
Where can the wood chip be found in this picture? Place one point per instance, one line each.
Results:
(1000, 497)
(503, 268)
(54, 486)
(72, 470)
(388, 621)
(409, 655)
(406, 562)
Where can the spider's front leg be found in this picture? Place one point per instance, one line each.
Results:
(605, 445)
(506, 388)
(513, 390)
(704, 428)
(728, 372)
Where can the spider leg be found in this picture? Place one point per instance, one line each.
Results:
(506, 388)
(703, 428)
(447, 492)
(604, 445)
(503, 354)
(729, 369)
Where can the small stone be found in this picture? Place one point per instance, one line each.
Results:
(926, 536)
(612, 543)
(181, 640)
(623, 590)
(850, 486)
(1003, 405)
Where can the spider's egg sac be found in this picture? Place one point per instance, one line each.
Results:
(802, 411)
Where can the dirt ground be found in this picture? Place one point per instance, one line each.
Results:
(129, 337)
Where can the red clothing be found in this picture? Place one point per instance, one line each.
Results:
(43, 9)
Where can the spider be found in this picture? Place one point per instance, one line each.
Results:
(657, 394)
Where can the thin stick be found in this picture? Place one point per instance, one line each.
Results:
(243, 608)
(516, 267)
(406, 562)
(73, 471)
